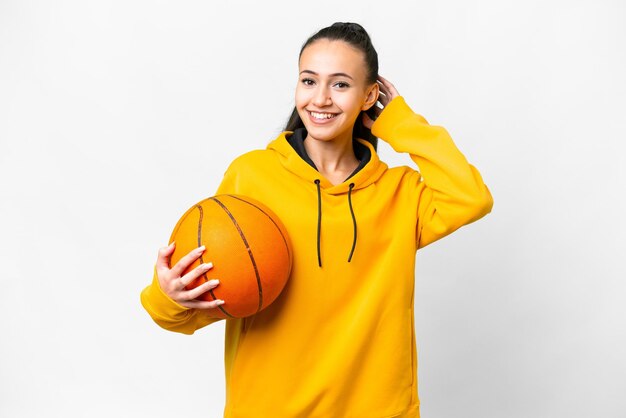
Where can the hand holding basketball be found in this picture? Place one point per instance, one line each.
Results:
(173, 281)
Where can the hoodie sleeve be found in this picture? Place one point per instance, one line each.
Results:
(170, 315)
(450, 191)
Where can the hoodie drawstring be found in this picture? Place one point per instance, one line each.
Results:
(353, 221)
(319, 222)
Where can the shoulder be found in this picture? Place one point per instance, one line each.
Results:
(245, 171)
(261, 159)
(251, 160)
(403, 175)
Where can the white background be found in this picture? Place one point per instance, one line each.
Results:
(116, 116)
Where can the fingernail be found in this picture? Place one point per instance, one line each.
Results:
(201, 248)
(172, 244)
(220, 302)
(213, 282)
(207, 266)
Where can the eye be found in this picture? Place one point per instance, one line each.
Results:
(342, 84)
(307, 82)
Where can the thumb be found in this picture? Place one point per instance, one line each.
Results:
(165, 254)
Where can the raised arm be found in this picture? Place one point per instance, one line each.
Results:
(450, 191)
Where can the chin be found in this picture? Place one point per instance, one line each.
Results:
(327, 132)
(320, 136)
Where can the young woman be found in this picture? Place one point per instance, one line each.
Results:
(339, 342)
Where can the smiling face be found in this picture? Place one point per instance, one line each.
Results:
(332, 89)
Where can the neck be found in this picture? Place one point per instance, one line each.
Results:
(334, 159)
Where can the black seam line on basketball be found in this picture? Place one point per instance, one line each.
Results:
(206, 279)
(245, 241)
(200, 235)
(274, 222)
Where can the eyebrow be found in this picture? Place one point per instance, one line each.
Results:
(332, 75)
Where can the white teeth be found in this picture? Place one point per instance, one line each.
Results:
(322, 115)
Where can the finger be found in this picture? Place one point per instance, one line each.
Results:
(382, 88)
(194, 274)
(163, 259)
(383, 99)
(385, 88)
(384, 81)
(201, 304)
(187, 260)
(196, 292)
(393, 92)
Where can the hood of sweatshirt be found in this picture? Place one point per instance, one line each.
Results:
(294, 159)
(366, 174)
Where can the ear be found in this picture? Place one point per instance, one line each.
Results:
(372, 96)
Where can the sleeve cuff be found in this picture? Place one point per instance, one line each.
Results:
(158, 304)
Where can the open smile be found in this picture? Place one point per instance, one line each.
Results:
(321, 117)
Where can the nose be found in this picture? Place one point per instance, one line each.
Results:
(322, 97)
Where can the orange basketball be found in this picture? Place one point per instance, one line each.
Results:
(249, 249)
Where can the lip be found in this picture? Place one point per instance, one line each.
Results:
(321, 121)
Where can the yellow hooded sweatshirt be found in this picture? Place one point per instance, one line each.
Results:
(339, 341)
